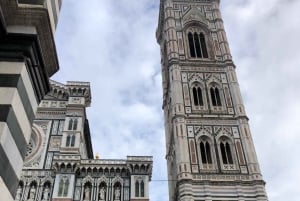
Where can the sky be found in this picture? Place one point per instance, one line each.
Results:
(112, 45)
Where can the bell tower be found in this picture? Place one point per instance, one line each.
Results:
(210, 152)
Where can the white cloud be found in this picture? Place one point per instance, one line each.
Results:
(112, 44)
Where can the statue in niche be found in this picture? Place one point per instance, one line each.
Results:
(46, 193)
(117, 193)
(87, 193)
(102, 193)
(32, 193)
(19, 193)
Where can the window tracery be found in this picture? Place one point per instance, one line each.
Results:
(139, 188)
(70, 141)
(197, 95)
(197, 44)
(63, 187)
(205, 152)
(73, 124)
(215, 96)
(226, 153)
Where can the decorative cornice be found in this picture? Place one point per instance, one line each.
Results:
(37, 17)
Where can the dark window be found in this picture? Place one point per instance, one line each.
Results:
(226, 153)
(223, 153)
(191, 44)
(137, 189)
(203, 46)
(208, 153)
(215, 96)
(72, 140)
(68, 141)
(73, 124)
(197, 94)
(142, 189)
(70, 124)
(205, 153)
(197, 45)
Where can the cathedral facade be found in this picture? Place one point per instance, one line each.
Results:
(59, 163)
(210, 152)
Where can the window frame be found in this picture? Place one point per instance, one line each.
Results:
(204, 42)
(196, 88)
(73, 124)
(63, 187)
(206, 167)
(230, 163)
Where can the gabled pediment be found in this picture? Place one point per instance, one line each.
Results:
(194, 14)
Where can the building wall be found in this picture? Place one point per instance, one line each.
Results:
(210, 152)
(27, 59)
(59, 162)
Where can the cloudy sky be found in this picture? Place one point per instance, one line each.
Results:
(112, 45)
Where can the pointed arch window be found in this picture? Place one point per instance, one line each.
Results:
(73, 124)
(142, 189)
(197, 95)
(70, 141)
(203, 45)
(63, 187)
(70, 127)
(215, 96)
(73, 141)
(197, 45)
(226, 153)
(205, 152)
(137, 189)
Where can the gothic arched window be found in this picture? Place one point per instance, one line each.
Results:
(68, 141)
(72, 140)
(70, 124)
(226, 153)
(205, 152)
(142, 189)
(73, 124)
(137, 189)
(215, 96)
(203, 45)
(197, 45)
(63, 187)
(197, 94)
